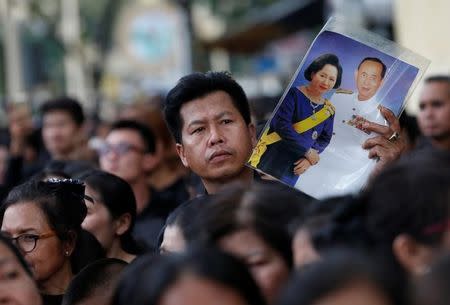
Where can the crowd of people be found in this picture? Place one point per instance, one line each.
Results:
(160, 207)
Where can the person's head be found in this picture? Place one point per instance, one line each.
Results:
(369, 77)
(179, 225)
(198, 276)
(303, 249)
(251, 223)
(62, 120)
(324, 74)
(44, 220)
(17, 285)
(432, 287)
(434, 108)
(4, 154)
(209, 116)
(410, 130)
(129, 151)
(111, 211)
(20, 121)
(95, 284)
(339, 279)
(150, 113)
(331, 224)
(410, 224)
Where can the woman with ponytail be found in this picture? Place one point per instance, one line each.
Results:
(111, 214)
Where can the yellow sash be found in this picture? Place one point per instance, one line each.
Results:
(300, 127)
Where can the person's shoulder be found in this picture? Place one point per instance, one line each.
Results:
(342, 97)
(294, 90)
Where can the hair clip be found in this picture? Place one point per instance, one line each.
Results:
(73, 187)
(64, 181)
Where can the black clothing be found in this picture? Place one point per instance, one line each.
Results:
(51, 299)
(152, 219)
(177, 192)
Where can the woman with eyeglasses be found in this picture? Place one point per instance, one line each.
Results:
(43, 219)
(17, 285)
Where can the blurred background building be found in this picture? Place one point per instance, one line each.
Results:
(109, 53)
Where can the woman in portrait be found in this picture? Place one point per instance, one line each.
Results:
(302, 126)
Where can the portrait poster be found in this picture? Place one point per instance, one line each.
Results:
(345, 78)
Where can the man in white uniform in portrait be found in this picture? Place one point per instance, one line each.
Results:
(344, 166)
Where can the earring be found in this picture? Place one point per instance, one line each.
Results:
(67, 253)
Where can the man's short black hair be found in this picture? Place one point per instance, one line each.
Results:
(198, 85)
(99, 277)
(383, 70)
(67, 104)
(144, 132)
(440, 78)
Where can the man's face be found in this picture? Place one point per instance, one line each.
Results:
(368, 79)
(434, 110)
(59, 132)
(124, 155)
(216, 141)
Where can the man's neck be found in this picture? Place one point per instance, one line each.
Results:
(363, 99)
(214, 186)
(116, 251)
(142, 194)
(443, 143)
(165, 175)
(62, 156)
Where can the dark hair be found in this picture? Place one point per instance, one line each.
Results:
(66, 104)
(149, 277)
(88, 250)
(198, 85)
(183, 217)
(61, 202)
(320, 62)
(409, 123)
(100, 277)
(409, 198)
(341, 227)
(337, 271)
(266, 208)
(118, 197)
(432, 287)
(374, 59)
(144, 132)
(8, 243)
(438, 78)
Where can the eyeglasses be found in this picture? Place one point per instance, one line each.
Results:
(27, 242)
(119, 149)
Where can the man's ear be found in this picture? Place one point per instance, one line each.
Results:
(356, 76)
(412, 255)
(180, 152)
(122, 224)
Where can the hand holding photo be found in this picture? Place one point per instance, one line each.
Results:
(346, 87)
